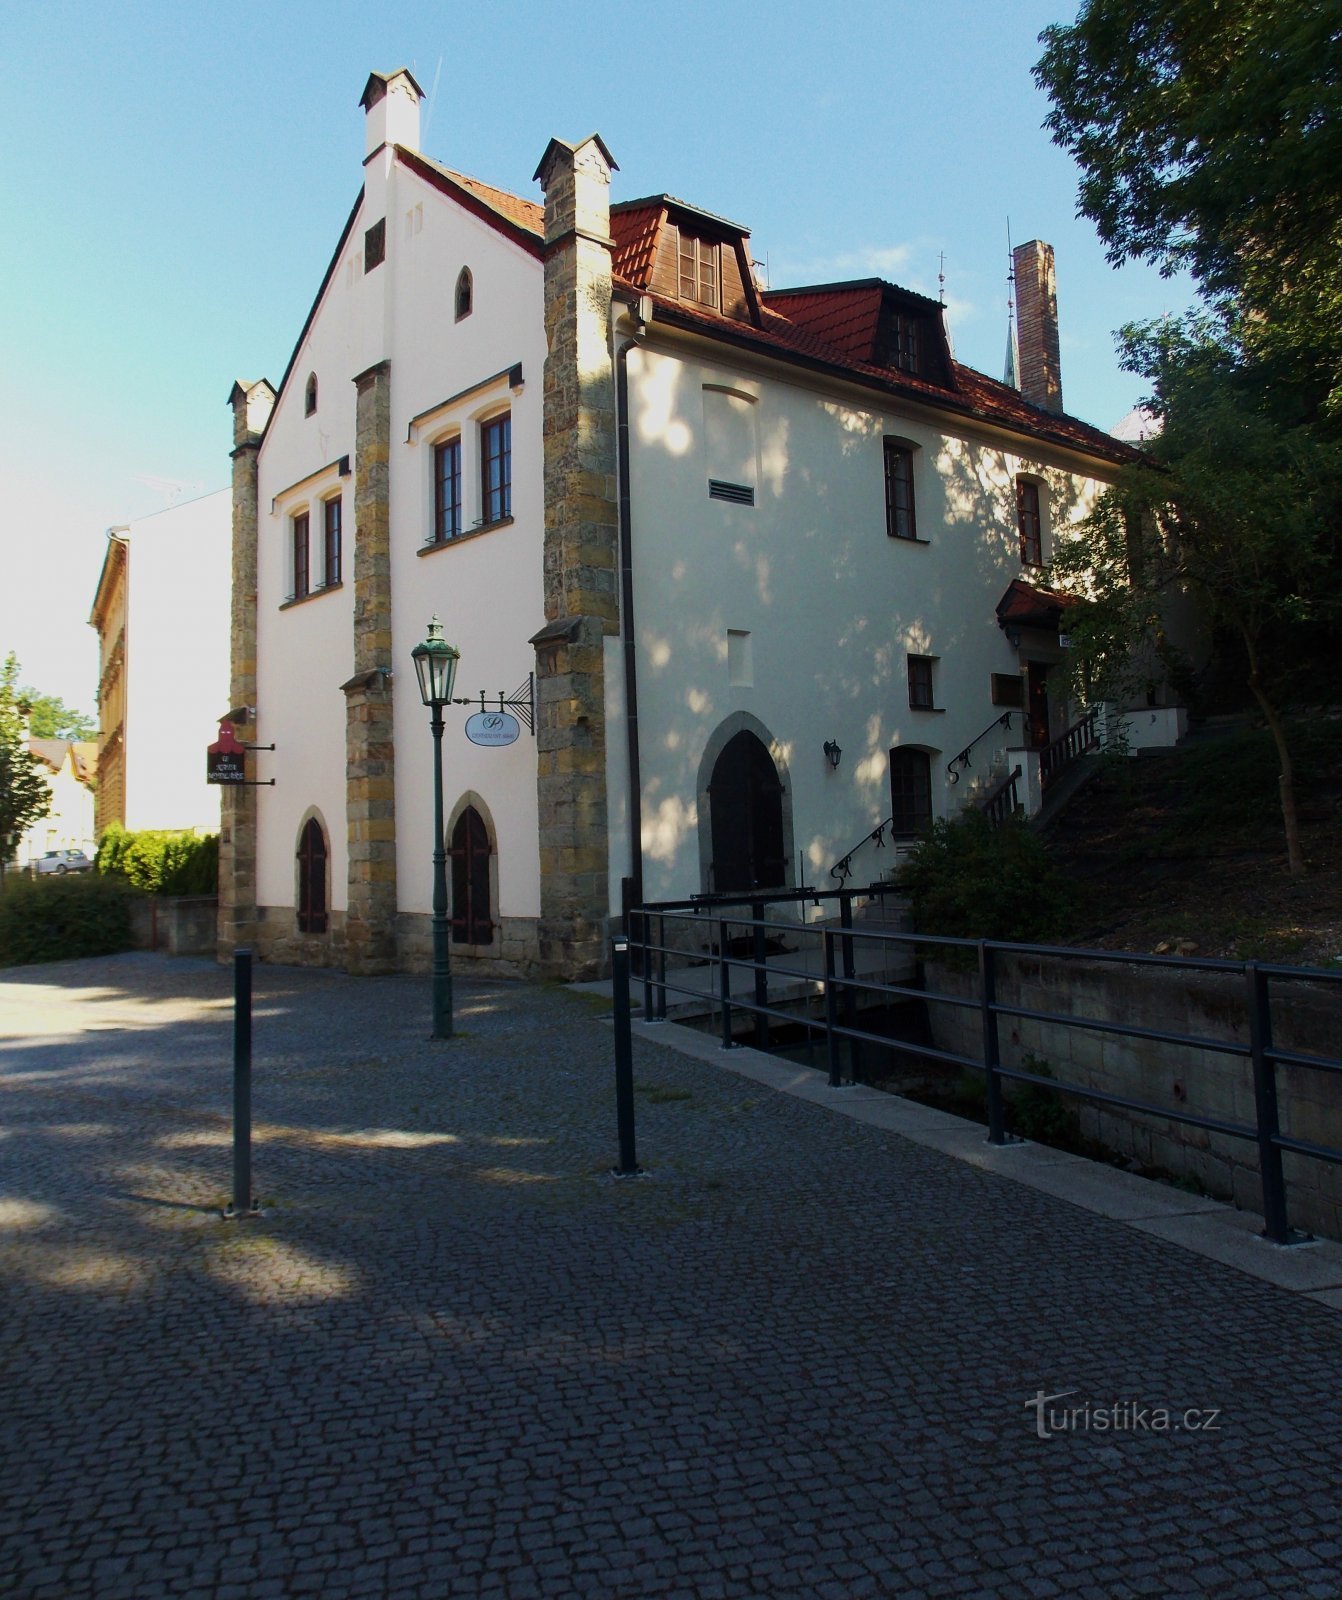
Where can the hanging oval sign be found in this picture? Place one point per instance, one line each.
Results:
(492, 727)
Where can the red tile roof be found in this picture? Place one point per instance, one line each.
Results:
(521, 220)
(1028, 606)
(636, 230)
(974, 394)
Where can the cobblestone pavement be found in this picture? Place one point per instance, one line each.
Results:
(456, 1358)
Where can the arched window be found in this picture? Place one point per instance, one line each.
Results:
(469, 853)
(463, 295)
(745, 801)
(310, 395)
(312, 878)
(910, 792)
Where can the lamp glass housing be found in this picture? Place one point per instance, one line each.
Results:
(436, 666)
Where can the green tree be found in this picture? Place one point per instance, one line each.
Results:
(51, 718)
(24, 795)
(1238, 508)
(1210, 137)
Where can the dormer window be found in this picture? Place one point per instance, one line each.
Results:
(699, 269)
(310, 395)
(904, 339)
(463, 294)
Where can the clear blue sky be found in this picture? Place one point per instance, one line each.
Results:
(177, 177)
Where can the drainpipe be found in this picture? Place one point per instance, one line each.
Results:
(627, 616)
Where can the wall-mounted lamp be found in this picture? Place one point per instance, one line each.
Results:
(832, 752)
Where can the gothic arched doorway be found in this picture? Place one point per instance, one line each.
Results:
(469, 852)
(746, 818)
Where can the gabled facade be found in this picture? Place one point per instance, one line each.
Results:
(728, 531)
(161, 612)
(70, 768)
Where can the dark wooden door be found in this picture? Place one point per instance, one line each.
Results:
(746, 816)
(472, 922)
(1038, 704)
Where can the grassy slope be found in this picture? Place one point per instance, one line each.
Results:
(1187, 844)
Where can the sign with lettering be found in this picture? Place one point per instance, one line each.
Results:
(492, 727)
(226, 759)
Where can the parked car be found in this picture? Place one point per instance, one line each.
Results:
(63, 861)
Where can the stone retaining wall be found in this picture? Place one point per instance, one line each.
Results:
(1307, 1017)
(181, 925)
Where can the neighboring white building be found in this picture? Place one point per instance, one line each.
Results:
(69, 767)
(727, 529)
(161, 610)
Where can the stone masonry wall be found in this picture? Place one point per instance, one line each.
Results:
(580, 562)
(370, 759)
(237, 821)
(1307, 1017)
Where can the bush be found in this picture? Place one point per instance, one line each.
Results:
(160, 862)
(59, 919)
(968, 880)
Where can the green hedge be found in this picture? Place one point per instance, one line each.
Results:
(60, 918)
(160, 862)
(968, 880)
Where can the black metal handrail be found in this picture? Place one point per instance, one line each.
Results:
(1080, 737)
(1004, 721)
(843, 867)
(840, 988)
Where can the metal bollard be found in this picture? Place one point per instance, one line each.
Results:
(242, 1204)
(624, 1061)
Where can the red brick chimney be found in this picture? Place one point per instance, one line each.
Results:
(1037, 325)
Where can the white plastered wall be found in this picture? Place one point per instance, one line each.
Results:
(832, 605)
(177, 622)
(487, 586)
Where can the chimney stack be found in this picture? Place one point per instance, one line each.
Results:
(1037, 325)
(391, 111)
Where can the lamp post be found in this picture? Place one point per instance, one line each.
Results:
(436, 666)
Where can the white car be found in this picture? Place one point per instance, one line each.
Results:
(63, 861)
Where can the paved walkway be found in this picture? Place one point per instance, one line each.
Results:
(455, 1358)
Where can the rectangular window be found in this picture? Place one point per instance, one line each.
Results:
(331, 514)
(375, 245)
(910, 793)
(300, 543)
(899, 523)
(1008, 689)
(904, 351)
(496, 468)
(920, 683)
(1028, 519)
(447, 491)
(698, 270)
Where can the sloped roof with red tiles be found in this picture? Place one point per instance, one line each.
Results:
(523, 215)
(974, 394)
(1026, 605)
(843, 317)
(636, 230)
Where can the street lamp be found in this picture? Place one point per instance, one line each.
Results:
(436, 666)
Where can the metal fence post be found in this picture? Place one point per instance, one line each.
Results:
(849, 992)
(831, 1009)
(724, 985)
(761, 975)
(661, 969)
(624, 1060)
(1275, 1225)
(991, 1054)
(242, 1204)
(646, 967)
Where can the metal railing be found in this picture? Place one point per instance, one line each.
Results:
(843, 867)
(1083, 735)
(1004, 721)
(834, 982)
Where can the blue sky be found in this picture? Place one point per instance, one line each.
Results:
(177, 177)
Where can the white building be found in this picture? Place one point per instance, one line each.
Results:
(161, 610)
(69, 767)
(729, 532)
